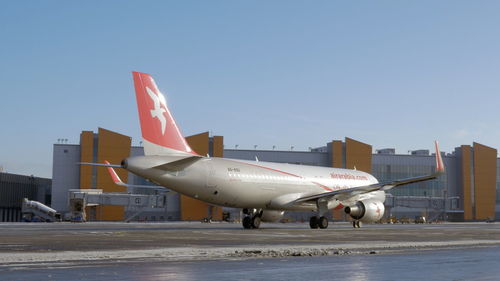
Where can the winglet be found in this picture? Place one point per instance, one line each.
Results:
(114, 175)
(439, 159)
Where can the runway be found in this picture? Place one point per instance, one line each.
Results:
(195, 240)
(28, 248)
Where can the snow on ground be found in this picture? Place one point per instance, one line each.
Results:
(210, 253)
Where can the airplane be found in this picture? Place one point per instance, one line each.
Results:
(263, 190)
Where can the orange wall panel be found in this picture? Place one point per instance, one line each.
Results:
(86, 155)
(199, 143)
(113, 147)
(358, 155)
(216, 213)
(485, 167)
(110, 213)
(218, 146)
(337, 155)
(192, 209)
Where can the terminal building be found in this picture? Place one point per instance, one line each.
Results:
(469, 191)
(14, 188)
(113, 147)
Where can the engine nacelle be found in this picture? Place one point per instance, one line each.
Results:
(271, 216)
(366, 211)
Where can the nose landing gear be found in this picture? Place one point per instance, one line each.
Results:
(357, 224)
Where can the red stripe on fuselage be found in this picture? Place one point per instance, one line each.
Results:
(323, 186)
(285, 173)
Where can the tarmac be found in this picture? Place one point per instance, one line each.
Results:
(190, 241)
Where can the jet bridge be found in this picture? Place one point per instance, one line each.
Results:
(137, 203)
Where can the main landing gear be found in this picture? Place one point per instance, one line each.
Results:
(320, 221)
(252, 218)
(357, 224)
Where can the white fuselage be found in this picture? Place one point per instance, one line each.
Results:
(263, 190)
(252, 184)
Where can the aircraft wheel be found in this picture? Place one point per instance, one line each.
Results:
(247, 222)
(359, 224)
(256, 222)
(313, 222)
(354, 224)
(322, 222)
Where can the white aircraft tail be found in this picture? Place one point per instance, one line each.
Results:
(160, 133)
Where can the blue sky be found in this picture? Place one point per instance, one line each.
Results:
(389, 73)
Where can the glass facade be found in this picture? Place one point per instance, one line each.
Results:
(393, 167)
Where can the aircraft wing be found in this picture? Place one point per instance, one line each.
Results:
(344, 194)
(349, 192)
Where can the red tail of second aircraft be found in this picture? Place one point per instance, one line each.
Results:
(160, 133)
(439, 160)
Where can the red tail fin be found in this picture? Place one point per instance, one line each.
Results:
(160, 133)
(439, 160)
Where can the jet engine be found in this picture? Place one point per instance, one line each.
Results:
(366, 211)
(271, 216)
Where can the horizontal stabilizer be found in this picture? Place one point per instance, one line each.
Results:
(99, 164)
(178, 165)
(118, 181)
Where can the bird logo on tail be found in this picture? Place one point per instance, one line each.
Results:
(158, 110)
